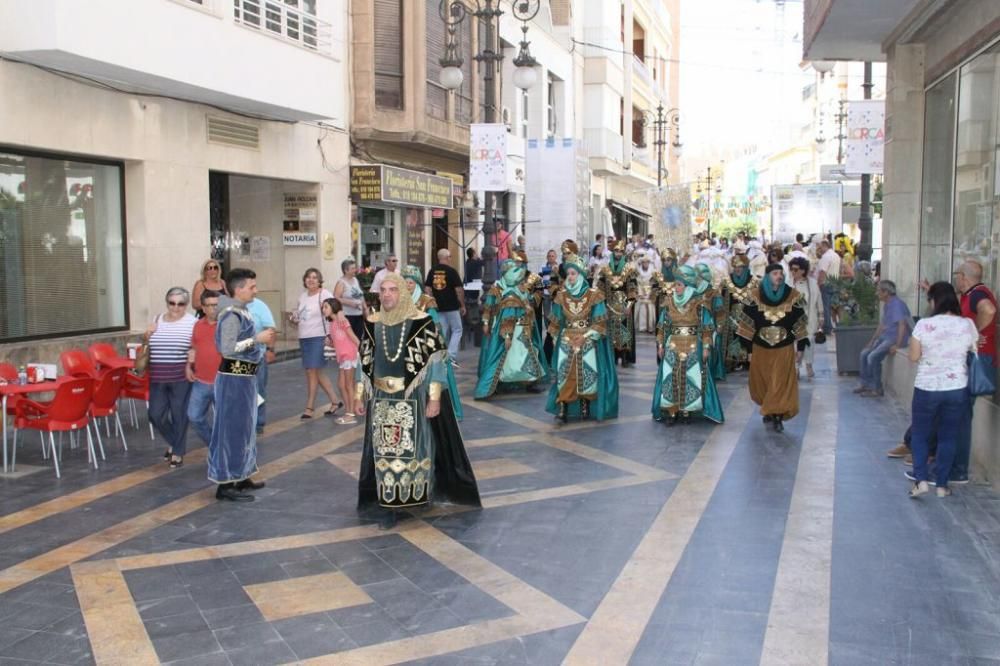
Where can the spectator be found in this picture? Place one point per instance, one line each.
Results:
(391, 266)
(169, 389)
(892, 334)
(312, 332)
(504, 244)
(444, 284)
(352, 298)
(805, 285)
(346, 344)
(938, 346)
(211, 278)
(828, 267)
(263, 320)
(203, 364)
(473, 266)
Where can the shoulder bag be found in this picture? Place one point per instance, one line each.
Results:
(982, 375)
(142, 353)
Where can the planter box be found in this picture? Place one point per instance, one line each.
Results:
(850, 341)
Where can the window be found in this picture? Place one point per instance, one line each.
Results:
(638, 129)
(389, 54)
(62, 247)
(551, 118)
(938, 171)
(638, 41)
(436, 104)
(293, 20)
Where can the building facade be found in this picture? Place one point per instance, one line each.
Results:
(128, 158)
(941, 189)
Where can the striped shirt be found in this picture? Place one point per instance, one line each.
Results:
(168, 349)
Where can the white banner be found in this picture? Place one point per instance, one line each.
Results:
(865, 136)
(551, 197)
(488, 157)
(805, 209)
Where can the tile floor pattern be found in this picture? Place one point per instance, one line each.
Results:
(612, 543)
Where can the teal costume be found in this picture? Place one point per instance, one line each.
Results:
(586, 383)
(716, 305)
(684, 386)
(512, 350)
(427, 304)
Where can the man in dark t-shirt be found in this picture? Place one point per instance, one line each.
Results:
(445, 285)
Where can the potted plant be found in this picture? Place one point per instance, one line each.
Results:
(856, 302)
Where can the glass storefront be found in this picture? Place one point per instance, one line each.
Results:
(62, 250)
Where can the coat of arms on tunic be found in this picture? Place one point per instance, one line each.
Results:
(393, 425)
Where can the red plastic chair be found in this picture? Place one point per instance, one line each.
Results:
(77, 363)
(8, 373)
(68, 412)
(104, 404)
(137, 388)
(103, 354)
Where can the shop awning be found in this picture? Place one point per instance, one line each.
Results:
(628, 209)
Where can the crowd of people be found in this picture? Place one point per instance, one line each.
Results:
(717, 307)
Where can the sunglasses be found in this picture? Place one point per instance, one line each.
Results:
(176, 304)
(211, 268)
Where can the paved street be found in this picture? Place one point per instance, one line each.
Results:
(613, 543)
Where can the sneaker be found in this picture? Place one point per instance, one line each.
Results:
(909, 475)
(899, 452)
(919, 488)
(944, 492)
(958, 481)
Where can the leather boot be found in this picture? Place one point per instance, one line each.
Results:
(562, 412)
(585, 409)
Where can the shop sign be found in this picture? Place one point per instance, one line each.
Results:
(301, 212)
(380, 183)
(299, 238)
(415, 238)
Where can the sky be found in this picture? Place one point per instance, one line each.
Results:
(741, 81)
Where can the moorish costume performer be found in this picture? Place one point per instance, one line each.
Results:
(617, 282)
(232, 451)
(647, 282)
(663, 286)
(413, 451)
(583, 362)
(740, 286)
(511, 353)
(684, 385)
(775, 321)
(425, 303)
(715, 302)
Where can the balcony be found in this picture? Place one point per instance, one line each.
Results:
(216, 52)
(851, 29)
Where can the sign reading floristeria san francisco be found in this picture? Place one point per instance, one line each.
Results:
(865, 136)
(379, 183)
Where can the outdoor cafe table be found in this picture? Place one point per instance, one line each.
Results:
(7, 390)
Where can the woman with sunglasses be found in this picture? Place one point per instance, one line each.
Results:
(211, 278)
(169, 342)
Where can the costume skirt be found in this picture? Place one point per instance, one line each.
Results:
(774, 383)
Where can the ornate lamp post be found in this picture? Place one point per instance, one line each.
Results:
(453, 12)
(662, 122)
(708, 195)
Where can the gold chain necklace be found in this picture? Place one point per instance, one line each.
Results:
(385, 345)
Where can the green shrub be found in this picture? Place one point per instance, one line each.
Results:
(856, 299)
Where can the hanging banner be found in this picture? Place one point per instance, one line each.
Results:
(488, 157)
(806, 210)
(865, 136)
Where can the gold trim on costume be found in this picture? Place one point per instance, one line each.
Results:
(773, 335)
(390, 384)
(434, 391)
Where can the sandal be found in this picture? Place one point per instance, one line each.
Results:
(347, 419)
(176, 461)
(307, 414)
(334, 410)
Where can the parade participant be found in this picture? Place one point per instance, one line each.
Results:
(740, 286)
(715, 302)
(512, 343)
(232, 452)
(617, 282)
(775, 321)
(412, 275)
(413, 451)
(645, 311)
(583, 361)
(684, 386)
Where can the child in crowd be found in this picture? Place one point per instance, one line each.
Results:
(346, 344)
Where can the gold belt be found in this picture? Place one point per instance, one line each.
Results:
(579, 323)
(684, 330)
(773, 335)
(390, 384)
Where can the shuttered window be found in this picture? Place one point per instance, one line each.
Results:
(389, 53)
(437, 96)
(62, 247)
(463, 98)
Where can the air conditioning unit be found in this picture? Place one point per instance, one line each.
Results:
(507, 118)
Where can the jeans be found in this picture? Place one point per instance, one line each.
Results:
(451, 325)
(950, 408)
(262, 372)
(168, 402)
(202, 397)
(826, 291)
(871, 364)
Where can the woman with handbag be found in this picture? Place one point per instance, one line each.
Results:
(308, 316)
(169, 340)
(939, 345)
(807, 286)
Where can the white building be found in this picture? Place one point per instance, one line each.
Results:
(139, 139)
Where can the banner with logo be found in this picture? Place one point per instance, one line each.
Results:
(865, 136)
(488, 157)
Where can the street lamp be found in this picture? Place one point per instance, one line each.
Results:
(708, 196)
(453, 13)
(663, 122)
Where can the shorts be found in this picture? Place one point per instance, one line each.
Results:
(348, 364)
(312, 352)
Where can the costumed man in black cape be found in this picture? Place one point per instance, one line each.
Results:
(413, 450)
